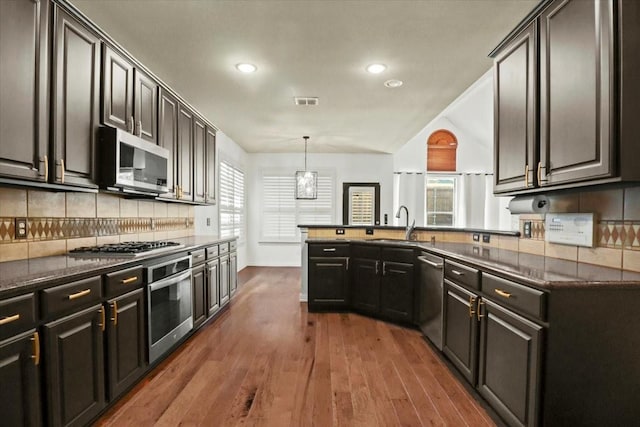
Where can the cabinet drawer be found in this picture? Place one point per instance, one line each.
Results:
(224, 248)
(462, 274)
(328, 250)
(233, 246)
(123, 281)
(198, 257)
(212, 252)
(365, 251)
(528, 300)
(17, 314)
(71, 296)
(398, 255)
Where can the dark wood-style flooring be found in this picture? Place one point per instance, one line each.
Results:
(266, 361)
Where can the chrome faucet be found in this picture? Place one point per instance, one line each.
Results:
(409, 229)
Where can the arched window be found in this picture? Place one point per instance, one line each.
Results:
(441, 151)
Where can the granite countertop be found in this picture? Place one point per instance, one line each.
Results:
(433, 229)
(30, 274)
(534, 270)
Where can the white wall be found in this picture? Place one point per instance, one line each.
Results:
(347, 167)
(227, 150)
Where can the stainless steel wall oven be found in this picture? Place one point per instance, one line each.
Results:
(169, 299)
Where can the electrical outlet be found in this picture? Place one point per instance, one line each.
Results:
(476, 237)
(208, 222)
(369, 231)
(486, 238)
(527, 229)
(21, 228)
(339, 230)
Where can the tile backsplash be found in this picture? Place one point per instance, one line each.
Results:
(58, 222)
(617, 228)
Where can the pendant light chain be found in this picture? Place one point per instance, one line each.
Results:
(306, 139)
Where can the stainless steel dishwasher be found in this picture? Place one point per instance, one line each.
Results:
(431, 297)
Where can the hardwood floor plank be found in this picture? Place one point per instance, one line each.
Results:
(266, 361)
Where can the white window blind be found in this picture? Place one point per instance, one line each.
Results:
(441, 195)
(281, 212)
(361, 205)
(232, 211)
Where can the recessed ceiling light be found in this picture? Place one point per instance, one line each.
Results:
(246, 68)
(393, 83)
(376, 68)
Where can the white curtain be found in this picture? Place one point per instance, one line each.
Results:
(477, 207)
(408, 190)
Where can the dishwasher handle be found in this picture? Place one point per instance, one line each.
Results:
(431, 263)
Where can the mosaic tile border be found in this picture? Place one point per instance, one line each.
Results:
(618, 234)
(39, 229)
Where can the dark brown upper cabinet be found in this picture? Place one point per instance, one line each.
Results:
(76, 100)
(184, 177)
(24, 110)
(515, 139)
(199, 159)
(145, 112)
(584, 128)
(117, 95)
(168, 137)
(210, 166)
(577, 93)
(130, 97)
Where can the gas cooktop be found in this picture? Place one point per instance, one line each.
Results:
(125, 249)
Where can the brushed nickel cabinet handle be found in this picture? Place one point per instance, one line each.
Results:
(329, 250)
(9, 319)
(539, 172)
(457, 273)
(79, 294)
(139, 133)
(479, 312)
(377, 267)
(36, 349)
(526, 175)
(46, 168)
(130, 125)
(62, 170)
(114, 313)
(129, 280)
(502, 293)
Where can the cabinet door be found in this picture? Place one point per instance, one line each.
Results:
(213, 287)
(20, 378)
(509, 365)
(75, 367)
(199, 159)
(396, 291)
(117, 95)
(168, 137)
(146, 107)
(185, 153)
(365, 285)
(233, 273)
(210, 167)
(200, 306)
(515, 150)
(577, 91)
(126, 344)
(224, 281)
(76, 100)
(328, 283)
(24, 76)
(460, 335)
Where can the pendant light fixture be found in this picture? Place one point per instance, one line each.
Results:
(306, 181)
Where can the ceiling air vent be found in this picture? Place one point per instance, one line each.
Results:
(306, 100)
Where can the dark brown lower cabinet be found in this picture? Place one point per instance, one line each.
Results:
(200, 306)
(125, 342)
(328, 283)
(213, 286)
(508, 370)
(224, 281)
(396, 291)
(365, 286)
(460, 334)
(20, 394)
(74, 368)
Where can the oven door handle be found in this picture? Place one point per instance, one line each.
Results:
(169, 281)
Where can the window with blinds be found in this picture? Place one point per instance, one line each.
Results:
(232, 209)
(281, 212)
(441, 194)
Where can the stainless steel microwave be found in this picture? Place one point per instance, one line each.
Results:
(129, 164)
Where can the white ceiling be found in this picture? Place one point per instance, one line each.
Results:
(313, 48)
